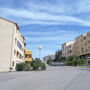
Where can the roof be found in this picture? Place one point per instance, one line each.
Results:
(28, 52)
(23, 37)
(10, 22)
(82, 35)
(68, 42)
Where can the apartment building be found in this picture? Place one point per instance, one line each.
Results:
(28, 56)
(68, 49)
(48, 57)
(11, 45)
(83, 45)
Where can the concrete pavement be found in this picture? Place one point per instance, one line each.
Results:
(54, 78)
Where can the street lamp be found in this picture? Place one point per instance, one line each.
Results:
(39, 47)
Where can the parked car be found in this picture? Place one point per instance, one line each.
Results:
(89, 62)
(58, 64)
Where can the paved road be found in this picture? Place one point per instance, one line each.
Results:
(54, 78)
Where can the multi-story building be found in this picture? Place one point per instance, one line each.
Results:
(68, 49)
(11, 45)
(28, 56)
(83, 45)
(49, 57)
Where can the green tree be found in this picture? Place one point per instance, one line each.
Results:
(49, 62)
(37, 63)
(58, 55)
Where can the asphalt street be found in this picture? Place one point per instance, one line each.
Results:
(54, 78)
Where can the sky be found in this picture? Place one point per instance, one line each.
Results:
(47, 23)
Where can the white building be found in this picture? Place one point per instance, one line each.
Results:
(68, 49)
(49, 57)
(11, 45)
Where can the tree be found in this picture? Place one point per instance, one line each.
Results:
(37, 63)
(37, 58)
(49, 62)
(58, 55)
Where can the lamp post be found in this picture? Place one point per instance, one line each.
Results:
(40, 47)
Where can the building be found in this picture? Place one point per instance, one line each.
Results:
(68, 49)
(49, 57)
(28, 56)
(83, 45)
(11, 45)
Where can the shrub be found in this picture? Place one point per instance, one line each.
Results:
(75, 63)
(70, 58)
(21, 66)
(36, 64)
(43, 66)
(75, 60)
(28, 67)
(81, 61)
(70, 63)
(10, 68)
(49, 62)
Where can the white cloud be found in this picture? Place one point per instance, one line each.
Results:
(66, 36)
(43, 33)
(46, 6)
(31, 17)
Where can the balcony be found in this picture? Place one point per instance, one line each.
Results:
(28, 59)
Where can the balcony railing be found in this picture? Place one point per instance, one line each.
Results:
(28, 59)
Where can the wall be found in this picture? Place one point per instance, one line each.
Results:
(6, 32)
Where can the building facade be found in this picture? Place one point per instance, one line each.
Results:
(11, 46)
(28, 56)
(68, 49)
(49, 57)
(83, 45)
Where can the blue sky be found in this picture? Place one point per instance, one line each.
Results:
(48, 23)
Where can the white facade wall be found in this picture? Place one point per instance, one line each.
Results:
(6, 30)
(8, 33)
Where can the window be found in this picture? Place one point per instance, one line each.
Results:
(17, 54)
(25, 56)
(20, 56)
(81, 40)
(84, 38)
(85, 44)
(19, 45)
(70, 51)
(89, 35)
(70, 46)
(86, 50)
(82, 50)
(29, 56)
